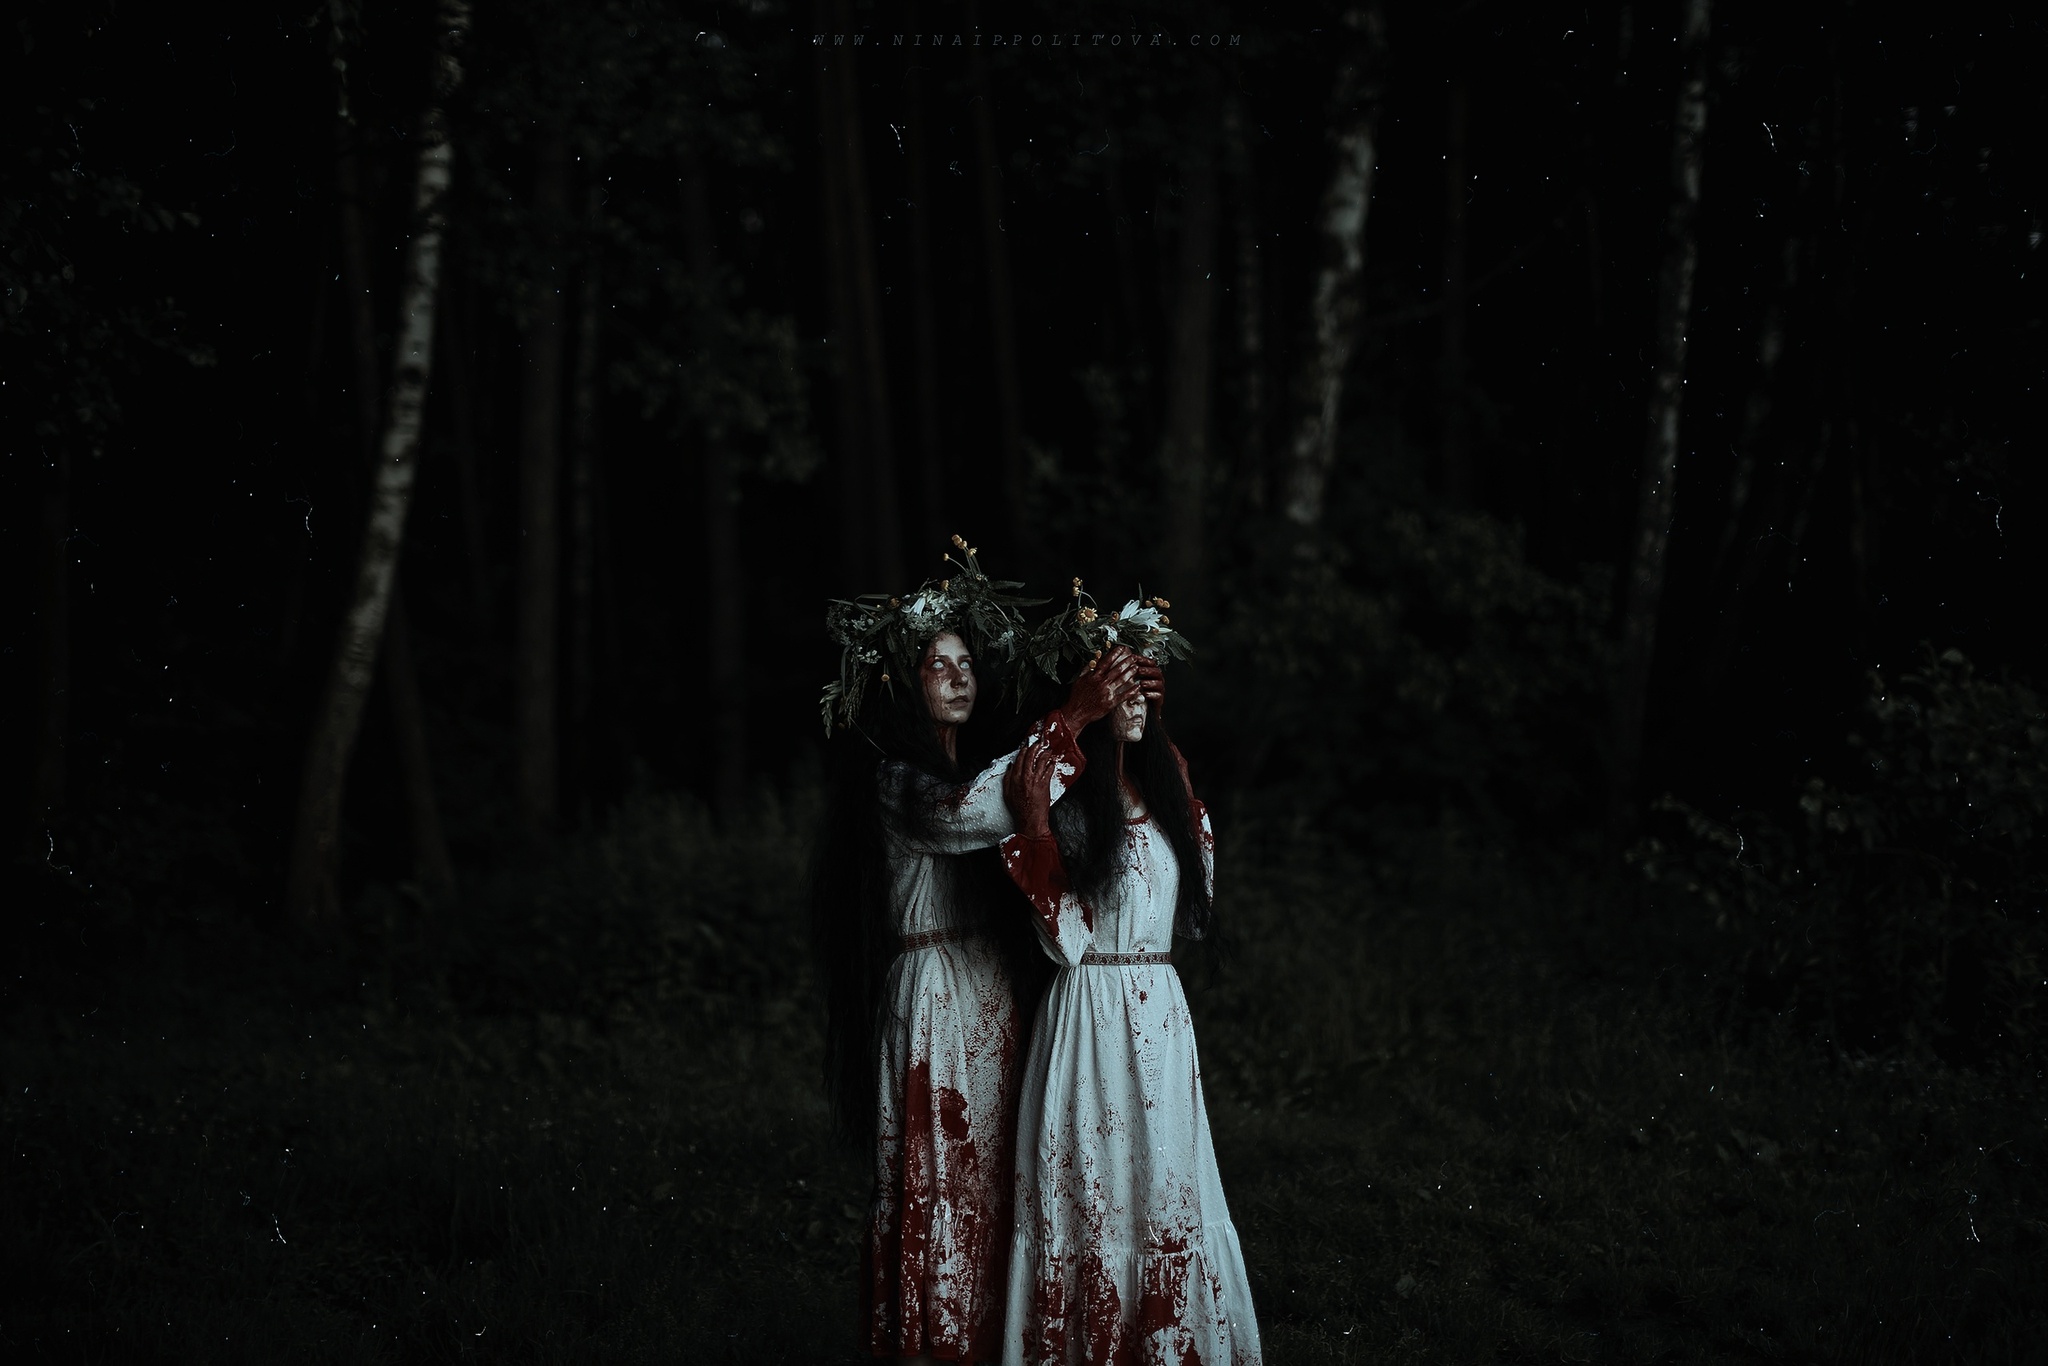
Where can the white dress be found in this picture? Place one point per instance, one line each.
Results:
(939, 1224)
(1124, 1251)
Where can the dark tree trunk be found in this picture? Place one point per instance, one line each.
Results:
(48, 756)
(458, 365)
(309, 889)
(583, 455)
(1745, 542)
(1337, 301)
(1253, 478)
(540, 458)
(931, 481)
(883, 497)
(1002, 311)
(617, 728)
(1457, 430)
(1123, 233)
(1184, 446)
(1655, 498)
(869, 532)
(856, 563)
(726, 642)
(432, 867)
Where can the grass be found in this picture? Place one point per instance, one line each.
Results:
(577, 1121)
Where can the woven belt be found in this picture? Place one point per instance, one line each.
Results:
(928, 939)
(1092, 959)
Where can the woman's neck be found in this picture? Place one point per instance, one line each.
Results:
(949, 740)
(1134, 800)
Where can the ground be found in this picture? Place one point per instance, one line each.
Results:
(1444, 1137)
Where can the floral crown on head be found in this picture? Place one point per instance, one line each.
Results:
(1080, 632)
(882, 638)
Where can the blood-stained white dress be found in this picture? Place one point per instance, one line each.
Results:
(939, 1225)
(1123, 1251)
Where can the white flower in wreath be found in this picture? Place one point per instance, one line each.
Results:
(1136, 621)
(921, 606)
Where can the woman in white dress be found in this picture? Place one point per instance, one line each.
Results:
(923, 1026)
(1123, 1250)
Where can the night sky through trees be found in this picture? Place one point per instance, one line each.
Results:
(743, 307)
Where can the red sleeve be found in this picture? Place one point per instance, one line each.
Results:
(1033, 862)
(1066, 745)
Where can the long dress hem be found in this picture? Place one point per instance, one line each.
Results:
(1123, 1252)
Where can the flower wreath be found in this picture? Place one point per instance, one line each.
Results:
(883, 638)
(1079, 633)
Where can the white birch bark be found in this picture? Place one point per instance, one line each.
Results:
(1337, 300)
(309, 889)
(1657, 491)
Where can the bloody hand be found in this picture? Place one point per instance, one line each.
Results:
(1152, 682)
(1100, 687)
(1027, 789)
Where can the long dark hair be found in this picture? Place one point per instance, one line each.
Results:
(853, 923)
(1089, 821)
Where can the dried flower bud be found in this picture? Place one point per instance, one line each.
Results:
(961, 542)
(1165, 620)
(945, 585)
(1163, 603)
(895, 602)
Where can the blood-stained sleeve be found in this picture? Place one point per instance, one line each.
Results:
(1207, 835)
(952, 819)
(1066, 926)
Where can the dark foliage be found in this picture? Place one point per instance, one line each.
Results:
(1906, 904)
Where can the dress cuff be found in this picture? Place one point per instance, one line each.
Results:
(1033, 862)
(1053, 730)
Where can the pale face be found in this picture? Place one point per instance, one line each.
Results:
(947, 673)
(1129, 717)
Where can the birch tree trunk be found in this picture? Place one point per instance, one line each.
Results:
(310, 895)
(1253, 476)
(1655, 494)
(720, 490)
(537, 634)
(1457, 435)
(1002, 311)
(432, 866)
(1184, 444)
(931, 470)
(583, 513)
(1337, 297)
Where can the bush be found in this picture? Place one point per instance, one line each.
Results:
(1903, 907)
(1424, 665)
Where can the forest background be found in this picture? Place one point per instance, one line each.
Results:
(1587, 446)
